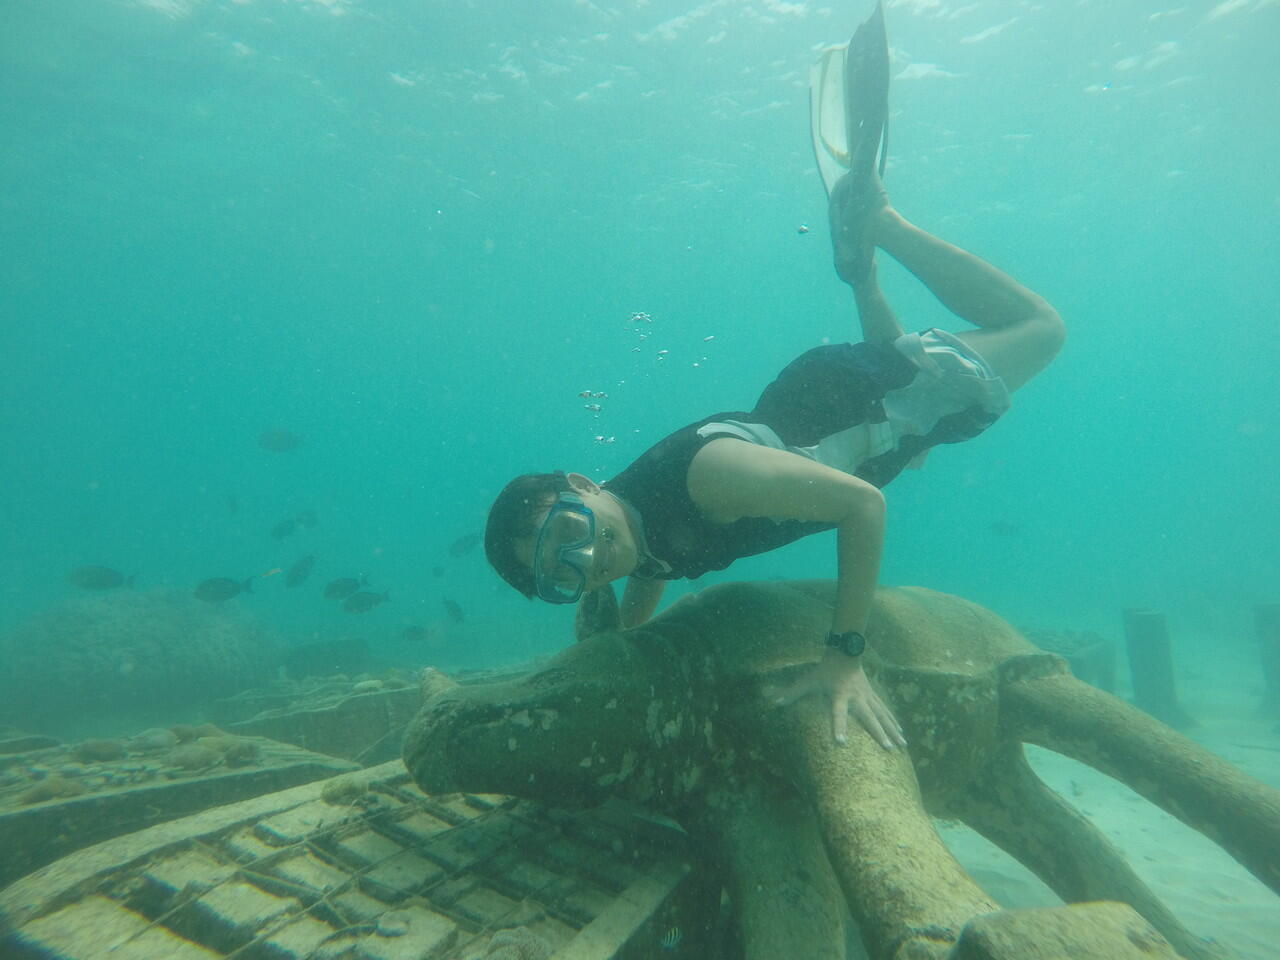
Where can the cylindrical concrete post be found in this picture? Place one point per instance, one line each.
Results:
(1267, 619)
(1151, 664)
(1104, 665)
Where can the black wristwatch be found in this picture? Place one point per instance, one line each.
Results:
(851, 644)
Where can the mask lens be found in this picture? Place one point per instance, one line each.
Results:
(562, 555)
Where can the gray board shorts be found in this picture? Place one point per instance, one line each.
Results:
(873, 409)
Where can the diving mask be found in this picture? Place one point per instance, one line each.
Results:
(564, 551)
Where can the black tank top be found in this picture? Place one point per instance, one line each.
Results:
(823, 391)
(656, 485)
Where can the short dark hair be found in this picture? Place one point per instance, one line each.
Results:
(512, 517)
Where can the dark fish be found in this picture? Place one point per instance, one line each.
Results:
(453, 610)
(279, 441)
(299, 571)
(233, 505)
(464, 545)
(285, 528)
(218, 589)
(97, 578)
(307, 518)
(437, 571)
(345, 587)
(1004, 528)
(414, 634)
(364, 601)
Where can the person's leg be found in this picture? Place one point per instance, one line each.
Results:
(879, 324)
(1018, 331)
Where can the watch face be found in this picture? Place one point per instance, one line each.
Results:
(851, 644)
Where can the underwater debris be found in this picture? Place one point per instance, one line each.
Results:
(393, 923)
(517, 943)
(52, 804)
(193, 756)
(97, 751)
(343, 791)
(52, 787)
(153, 741)
(234, 751)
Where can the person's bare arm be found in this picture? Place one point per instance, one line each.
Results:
(640, 599)
(729, 479)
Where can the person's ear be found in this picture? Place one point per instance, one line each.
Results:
(582, 484)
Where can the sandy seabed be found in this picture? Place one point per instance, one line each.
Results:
(1211, 894)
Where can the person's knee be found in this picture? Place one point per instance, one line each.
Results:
(1049, 331)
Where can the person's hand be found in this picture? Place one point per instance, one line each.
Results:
(843, 681)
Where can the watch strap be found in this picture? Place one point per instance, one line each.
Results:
(851, 643)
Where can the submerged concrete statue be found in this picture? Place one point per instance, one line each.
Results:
(672, 714)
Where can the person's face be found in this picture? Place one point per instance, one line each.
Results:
(612, 549)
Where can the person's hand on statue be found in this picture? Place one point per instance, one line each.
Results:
(845, 685)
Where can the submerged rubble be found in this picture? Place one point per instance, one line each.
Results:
(60, 798)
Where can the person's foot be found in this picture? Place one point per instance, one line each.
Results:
(854, 210)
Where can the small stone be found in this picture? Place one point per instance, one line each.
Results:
(193, 756)
(153, 740)
(98, 751)
(51, 788)
(241, 753)
(342, 791)
(393, 924)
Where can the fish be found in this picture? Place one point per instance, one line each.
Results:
(219, 589)
(464, 545)
(415, 634)
(307, 518)
(279, 441)
(344, 587)
(233, 505)
(299, 571)
(437, 571)
(1005, 528)
(453, 610)
(364, 601)
(671, 939)
(98, 578)
(285, 528)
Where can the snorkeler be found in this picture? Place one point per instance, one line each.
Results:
(838, 423)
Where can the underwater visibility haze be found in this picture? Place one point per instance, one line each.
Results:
(289, 289)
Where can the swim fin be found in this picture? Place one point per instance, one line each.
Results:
(849, 104)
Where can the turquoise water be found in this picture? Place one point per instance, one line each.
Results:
(412, 232)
